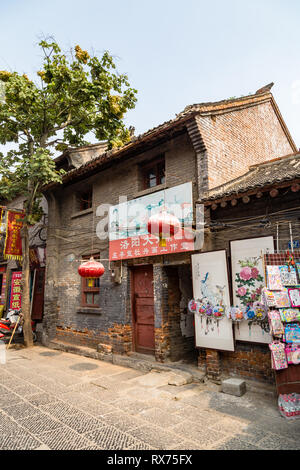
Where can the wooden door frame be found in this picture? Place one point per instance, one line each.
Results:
(133, 312)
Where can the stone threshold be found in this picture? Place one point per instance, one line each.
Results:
(186, 373)
(144, 363)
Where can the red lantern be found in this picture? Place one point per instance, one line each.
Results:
(163, 225)
(91, 270)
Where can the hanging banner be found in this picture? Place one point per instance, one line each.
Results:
(15, 294)
(13, 242)
(1, 216)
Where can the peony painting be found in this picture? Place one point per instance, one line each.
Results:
(249, 281)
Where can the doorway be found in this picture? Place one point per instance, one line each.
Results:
(143, 309)
(38, 294)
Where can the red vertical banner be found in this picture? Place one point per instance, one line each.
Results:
(3, 289)
(15, 293)
(1, 216)
(13, 242)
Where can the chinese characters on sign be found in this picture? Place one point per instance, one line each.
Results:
(128, 233)
(13, 242)
(16, 295)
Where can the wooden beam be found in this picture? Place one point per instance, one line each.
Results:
(274, 193)
(259, 192)
(295, 188)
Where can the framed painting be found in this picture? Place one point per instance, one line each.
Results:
(210, 280)
(248, 280)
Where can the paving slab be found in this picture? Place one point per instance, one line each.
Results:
(58, 400)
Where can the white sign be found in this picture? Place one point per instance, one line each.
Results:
(248, 281)
(210, 280)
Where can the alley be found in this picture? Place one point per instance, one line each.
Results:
(55, 400)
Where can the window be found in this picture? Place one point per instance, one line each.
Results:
(154, 173)
(90, 289)
(84, 200)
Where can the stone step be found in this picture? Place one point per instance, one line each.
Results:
(179, 374)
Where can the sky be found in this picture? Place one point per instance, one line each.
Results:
(174, 52)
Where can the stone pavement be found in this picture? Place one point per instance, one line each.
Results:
(55, 400)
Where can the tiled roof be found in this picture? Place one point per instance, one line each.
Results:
(264, 174)
(186, 115)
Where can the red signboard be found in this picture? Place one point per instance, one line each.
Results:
(15, 294)
(13, 242)
(148, 245)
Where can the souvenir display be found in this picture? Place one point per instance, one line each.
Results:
(285, 328)
(279, 360)
(275, 323)
(289, 315)
(292, 352)
(298, 269)
(193, 306)
(260, 311)
(219, 312)
(292, 333)
(273, 278)
(282, 299)
(268, 298)
(294, 295)
(289, 405)
(288, 275)
(249, 313)
(235, 314)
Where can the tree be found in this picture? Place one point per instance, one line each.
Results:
(75, 94)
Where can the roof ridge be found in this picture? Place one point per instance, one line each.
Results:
(278, 159)
(259, 96)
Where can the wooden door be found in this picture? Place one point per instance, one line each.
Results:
(38, 295)
(143, 309)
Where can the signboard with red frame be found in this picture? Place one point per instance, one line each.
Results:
(128, 233)
(15, 293)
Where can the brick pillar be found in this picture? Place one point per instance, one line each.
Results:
(202, 360)
(213, 364)
(162, 329)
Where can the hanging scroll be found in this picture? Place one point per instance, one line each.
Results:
(13, 242)
(1, 217)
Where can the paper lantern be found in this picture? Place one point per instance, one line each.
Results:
(163, 225)
(91, 270)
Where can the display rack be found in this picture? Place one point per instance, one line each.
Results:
(288, 378)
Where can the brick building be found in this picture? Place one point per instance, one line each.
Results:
(263, 202)
(205, 145)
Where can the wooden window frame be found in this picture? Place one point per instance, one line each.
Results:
(89, 290)
(154, 164)
(81, 203)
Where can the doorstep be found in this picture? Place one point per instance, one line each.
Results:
(182, 373)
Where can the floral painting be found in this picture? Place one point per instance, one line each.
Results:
(249, 281)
